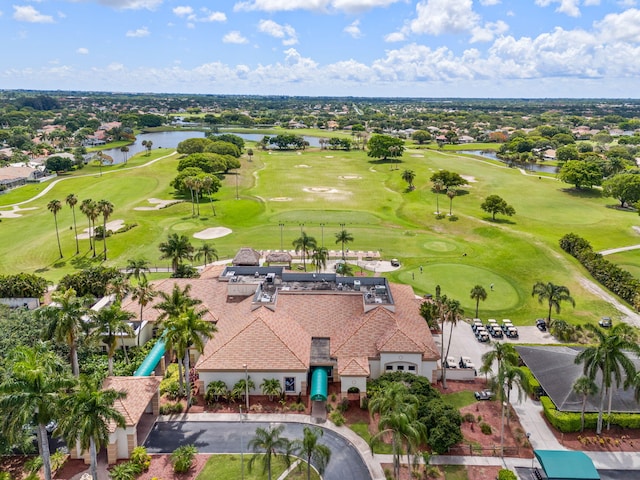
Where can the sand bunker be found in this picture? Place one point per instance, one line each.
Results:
(281, 199)
(210, 233)
(469, 178)
(328, 156)
(320, 190)
(158, 204)
(350, 177)
(15, 213)
(417, 155)
(302, 165)
(114, 226)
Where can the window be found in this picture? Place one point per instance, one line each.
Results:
(400, 367)
(389, 367)
(289, 384)
(412, 368)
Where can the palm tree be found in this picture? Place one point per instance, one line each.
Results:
(319, 258)
(512, 376)
(271, 387)
(64, 323)
(88, 414)
(438, 186)
(185, 332)
(451, 192)
(343, 237)
(87, 207)
(268, 442)
(109, 322)
(503, 354)
(125, 150)
(137, 267)
(609, 358)
(189, 182)
(312, 451)
(34, 380)
(207, 184)
(452, 312)
(554, 295)
(409, 176)
(304, 244)
(207, 252)
(586, 387)
(118, 287)
(144, 293)
(478, 293)
(54, 206)
(72, 201)
(177, 248)
(105, 207)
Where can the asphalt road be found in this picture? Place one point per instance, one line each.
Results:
(232, 437)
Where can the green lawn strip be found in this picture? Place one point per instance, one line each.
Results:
(455, 472)
(459, 399)
(362, 429)
(303, 190)
(229, 467)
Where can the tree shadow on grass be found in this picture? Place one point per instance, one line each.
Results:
(583, 192)
(86, 260)
(499, 220)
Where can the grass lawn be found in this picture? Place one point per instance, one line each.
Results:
(317, 191)
(362, 429)
(454, 472)
(459, 399)
(229, 467)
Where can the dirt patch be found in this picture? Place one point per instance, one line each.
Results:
(614, 440)
(210, 233)
(161, 468)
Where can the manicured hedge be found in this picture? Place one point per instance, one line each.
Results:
(570, 422)
(532, 384)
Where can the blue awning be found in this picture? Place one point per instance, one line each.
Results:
(319, 384)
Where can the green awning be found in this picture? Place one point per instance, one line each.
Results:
(319, 384)
(566, 465)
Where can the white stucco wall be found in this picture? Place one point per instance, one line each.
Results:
(347, 382)
(230, 379)
(407, 362)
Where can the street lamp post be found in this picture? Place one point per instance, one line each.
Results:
(502, 430)
(322, 230)
(241, 444)
(246, 387)
(281, 225)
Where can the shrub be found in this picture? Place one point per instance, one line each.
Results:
(182, 458)
(337, 418)
(140, 456)
(469, 417)
(171, 408)
(33, 465)
(485, 428)
(57, 459)
(505, 474)
(353, 390)
(215, 391)
(5, 476)
(344, 405)
(125, 471)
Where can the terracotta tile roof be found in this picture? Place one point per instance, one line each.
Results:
(140, 391)
(353, 366)
(398, 341)
(359, 338)
(266, 341)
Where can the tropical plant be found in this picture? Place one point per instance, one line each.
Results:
(207, 252)
(554, 295)
(90, 210)
(585, 387)
(241, 387)
(478, 293)
(438, 186)
(451, 312)
(144, 293)
(137, 268)
(343, 237)
(451, 193)
(303, 244)
(319, 258)
(34, 379)
(177, 248)
(64, 323)
(87, 414)
(109, 323)
(609, 357)
(409, 176)
(72, 201)
(271, 387)
(312, 451)
(216, 390)
(182, 458)
(105, 207)
(269, 443)
(54, 206)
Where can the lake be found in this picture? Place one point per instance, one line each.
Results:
(533, 167)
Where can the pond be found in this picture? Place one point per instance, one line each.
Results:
(533, 167)
(173, 138)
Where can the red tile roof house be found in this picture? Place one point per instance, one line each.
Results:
(283, 325)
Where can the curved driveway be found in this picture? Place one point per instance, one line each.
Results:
(232, 437)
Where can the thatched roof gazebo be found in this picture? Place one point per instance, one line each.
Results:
(246, 257)
(279, 258)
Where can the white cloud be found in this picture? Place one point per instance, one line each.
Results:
(82, 51)
(29, 14)
(138, 33)
(131, 4)
(350, 6)
(182, 11)
(488, 32)
(284, 32)
(353, 29)
(568, 7)
(210, 16)
(394, 37)
(488, 3)
(437, 17)
(623, 26)
(234, 37)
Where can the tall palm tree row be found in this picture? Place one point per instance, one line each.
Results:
(54, 206)
(105, 207)
(72, 201)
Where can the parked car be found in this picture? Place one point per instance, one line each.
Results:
(605, 322)
(450, 362)
(541, 324)
(465, 362)
(483, 395)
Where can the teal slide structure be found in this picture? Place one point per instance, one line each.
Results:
(149, 364)
(319, 384)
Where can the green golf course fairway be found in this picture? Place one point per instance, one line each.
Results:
(319, 190)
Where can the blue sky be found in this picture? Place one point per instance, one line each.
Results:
(425, 48)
